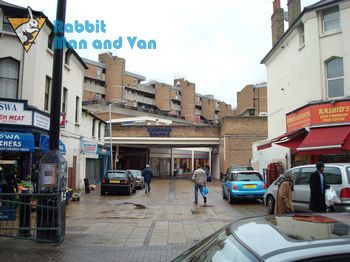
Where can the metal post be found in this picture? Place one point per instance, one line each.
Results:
(110, 132)
(57, 80)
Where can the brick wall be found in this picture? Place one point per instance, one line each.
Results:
(237, 135)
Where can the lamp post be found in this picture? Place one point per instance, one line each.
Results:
(110, 127)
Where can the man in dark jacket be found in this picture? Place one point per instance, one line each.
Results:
(317, 189)
(147, 173)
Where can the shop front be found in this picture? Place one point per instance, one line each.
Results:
(21, 131)
(186, 161)
(317, 132)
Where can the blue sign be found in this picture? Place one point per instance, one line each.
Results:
(44, 145)
(159, 131)
(17, 142)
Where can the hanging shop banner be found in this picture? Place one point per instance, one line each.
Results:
(13, 113)
(16, 142)
(325, 113)
(44, 144)
(88, 147)
(41, 121)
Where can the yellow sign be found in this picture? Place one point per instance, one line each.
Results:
(27, 28)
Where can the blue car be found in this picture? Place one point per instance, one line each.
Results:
(243, 185)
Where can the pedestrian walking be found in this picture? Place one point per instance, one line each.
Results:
(147, 173)
(318, 187)
(284, 199)
(35, 178)
(200, 181)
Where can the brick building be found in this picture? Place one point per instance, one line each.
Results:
(252, 100)
(108, 80)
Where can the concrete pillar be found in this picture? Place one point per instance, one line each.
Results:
(172, 162)
(193, 167)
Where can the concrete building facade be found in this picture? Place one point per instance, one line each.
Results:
(308, 67)
(26, 81)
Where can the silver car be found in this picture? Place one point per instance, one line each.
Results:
(289, 237)
(336, 175)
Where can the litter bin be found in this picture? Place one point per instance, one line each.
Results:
(87, 185)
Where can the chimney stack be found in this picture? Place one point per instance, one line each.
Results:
(294, 10)
(277, 21)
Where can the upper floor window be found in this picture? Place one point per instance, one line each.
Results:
(64, 100)
(9, 74)
(330, 19)
(93, 128)
(98, 72)
(67, 57)
(47, 93)
(6, 26)
(77, 109)
(301, 34)
(335, 77)
(99, 130)
(50, 41)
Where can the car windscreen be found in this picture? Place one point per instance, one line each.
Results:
(222, 247)
(247, 177)
(135, 173)
(114, 175)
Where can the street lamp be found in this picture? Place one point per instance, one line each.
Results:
(110, 127)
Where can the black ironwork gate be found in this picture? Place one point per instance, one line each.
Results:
(39, 217)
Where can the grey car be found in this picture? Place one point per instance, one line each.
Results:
(336, 175)
(297, 237)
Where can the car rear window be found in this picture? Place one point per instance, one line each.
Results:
(242, 168)
(116, 175)
(247, 177)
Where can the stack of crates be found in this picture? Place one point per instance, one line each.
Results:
(273, 172)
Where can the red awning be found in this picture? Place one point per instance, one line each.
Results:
(264, 146)
(326, 140)
(291, 139)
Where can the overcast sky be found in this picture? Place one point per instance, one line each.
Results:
(216, 44)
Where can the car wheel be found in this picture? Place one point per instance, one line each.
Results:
(270, 204)
(223, 194)
(103, 192)
(230, 198)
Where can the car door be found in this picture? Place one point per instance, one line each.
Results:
(301, 194)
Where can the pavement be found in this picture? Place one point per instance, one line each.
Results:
(143, 227)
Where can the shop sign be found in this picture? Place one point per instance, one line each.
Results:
(319, 114)
(16, 142)
(13, 113)
(63, 120)
(159, 131)
(89, 147)
(41, 121)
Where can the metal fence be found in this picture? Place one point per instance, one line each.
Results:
(39, 217)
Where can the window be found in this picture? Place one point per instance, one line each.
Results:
(47, 93)
(301, 35)
(50, 41)
(331, 19)
(332, 176)
(77, 109)
(335, 77)
(93, 128)
(67, 57)
(6, 26)
(98, 72)
(303, 177)
(99, 130)
(9, 74)
(64, 100)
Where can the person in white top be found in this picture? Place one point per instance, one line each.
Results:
(200, 181)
